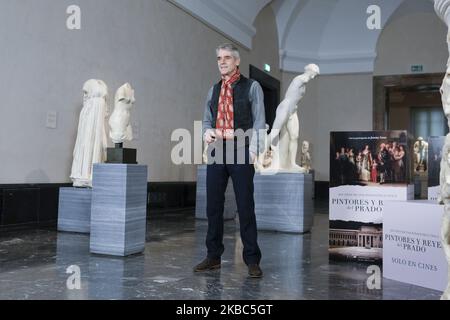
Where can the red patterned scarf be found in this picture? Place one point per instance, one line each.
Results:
(225, 114)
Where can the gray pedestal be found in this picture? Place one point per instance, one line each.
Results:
(421, 185)
(119, 209)
(74, 210)
(283, 202)
(230, 207)
(313, 175)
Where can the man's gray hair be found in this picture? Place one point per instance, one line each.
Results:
(229, 47)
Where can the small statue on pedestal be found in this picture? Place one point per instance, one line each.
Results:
(120, 125)
(305, 160)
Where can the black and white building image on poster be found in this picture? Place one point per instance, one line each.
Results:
(366, 169)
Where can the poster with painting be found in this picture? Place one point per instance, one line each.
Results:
(367, 168)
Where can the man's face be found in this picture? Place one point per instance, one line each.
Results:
(227, 62)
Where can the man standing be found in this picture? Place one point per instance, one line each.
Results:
(235, 103)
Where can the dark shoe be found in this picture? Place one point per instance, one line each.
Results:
(254, 271)
(207, 264)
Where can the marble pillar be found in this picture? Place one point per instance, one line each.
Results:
(283, 202)
(119, 209)
(74, 209)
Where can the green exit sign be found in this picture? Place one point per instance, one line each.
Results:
(417, 68)
(267, 67)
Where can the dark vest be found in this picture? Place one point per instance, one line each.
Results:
(243, 118)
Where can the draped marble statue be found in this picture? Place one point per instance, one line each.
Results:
(283, 138)
(442, 8)
(119, 121)
(91, 142)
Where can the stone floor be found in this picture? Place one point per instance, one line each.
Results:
(33, 265)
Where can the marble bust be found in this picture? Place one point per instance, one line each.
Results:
(91, 142)
(305, 160)
(283, 138)
(119, 121)
(442, 8)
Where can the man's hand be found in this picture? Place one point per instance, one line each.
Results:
(210, 136)
(252, 157)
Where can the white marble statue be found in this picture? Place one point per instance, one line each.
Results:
(91, 143)
(445, 93)
(305, 159)
(420, 155)
(442, 8)
(119, 121)
(283, 138)
(444, 198)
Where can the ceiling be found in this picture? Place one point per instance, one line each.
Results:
(331, 33)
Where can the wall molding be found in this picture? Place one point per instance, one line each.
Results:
(220, 18)
(329, 63)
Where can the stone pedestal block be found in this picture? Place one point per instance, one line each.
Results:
(119, 209)
(74, 209)
(283, 202)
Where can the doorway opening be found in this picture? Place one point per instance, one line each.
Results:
(271, 88)
(412, 103)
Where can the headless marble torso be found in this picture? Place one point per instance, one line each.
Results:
(119, 121)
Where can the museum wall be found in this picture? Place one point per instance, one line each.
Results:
(412, 39)
(265, 44)
(166, 54)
